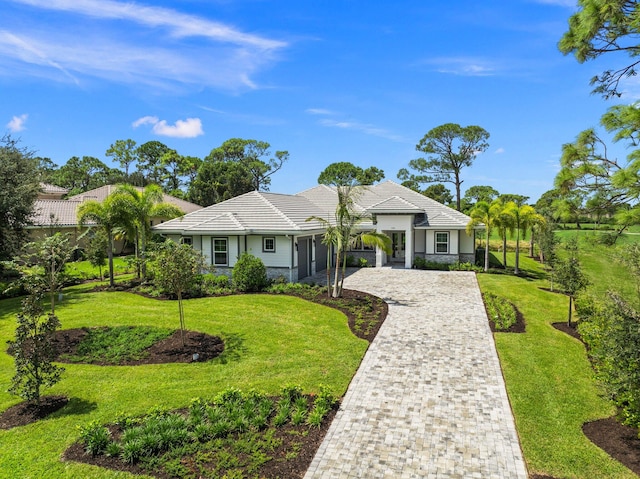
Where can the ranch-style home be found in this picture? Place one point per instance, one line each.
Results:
(274, 227)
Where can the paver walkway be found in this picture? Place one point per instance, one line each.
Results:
(428, 400)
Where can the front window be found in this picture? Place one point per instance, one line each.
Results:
(220, 252)
(442, 242)
(187, 240)
(269, 244)
(360, 246)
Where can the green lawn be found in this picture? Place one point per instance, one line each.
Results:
(271, 341)
(550, 382)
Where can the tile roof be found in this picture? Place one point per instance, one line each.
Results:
(55, 213)
(256, 212)
(253, 212)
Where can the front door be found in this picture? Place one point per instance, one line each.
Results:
(397, 244)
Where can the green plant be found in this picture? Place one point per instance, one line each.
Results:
(249, 274)
(95, 437)
(33, 349)
(363, 263)
(500, 311)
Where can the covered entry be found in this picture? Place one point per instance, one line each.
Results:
(305, 256)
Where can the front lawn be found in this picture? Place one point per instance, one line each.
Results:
(270, 341)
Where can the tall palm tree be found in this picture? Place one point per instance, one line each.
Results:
(523, 217)
(487, 214)
(505, 223)
(138, 208)
(107, 216)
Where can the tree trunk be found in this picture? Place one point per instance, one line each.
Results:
(531, 245)
(570, 309)
(329, 271)
(504, 250)
(336, 282)
(110, 256)
(486, 255)
(181, 310)
(517, 267)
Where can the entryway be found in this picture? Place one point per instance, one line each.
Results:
(398, 247)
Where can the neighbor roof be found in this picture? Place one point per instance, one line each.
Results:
(99, 194)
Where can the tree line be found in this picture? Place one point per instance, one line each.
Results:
(231, 169)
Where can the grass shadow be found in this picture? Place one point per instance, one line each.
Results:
(76, 406)
(234, 348)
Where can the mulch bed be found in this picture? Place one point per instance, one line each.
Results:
(289, 468)
(169, 350)
(26, 413)
(518, 327)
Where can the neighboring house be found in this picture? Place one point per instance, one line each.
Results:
(273, 227)
(53, 214)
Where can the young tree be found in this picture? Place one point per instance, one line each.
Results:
(177, 268)
(548, 242)
(599, 27)
(20, 182)
(97, 251)
(487, 214)
(50, 255)
(33, 350)
(568, 274)
(451, 148)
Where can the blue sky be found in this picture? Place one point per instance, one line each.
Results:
(328, 81)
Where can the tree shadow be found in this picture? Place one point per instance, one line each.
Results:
(234, 348)
(76, 406)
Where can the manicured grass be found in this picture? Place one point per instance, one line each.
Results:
(550, 383)
(84, 270)
(270, 341)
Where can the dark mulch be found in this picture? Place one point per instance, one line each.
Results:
(169, 350)
(26, 413)
(518, 327)
(570, 330)
(285, 468)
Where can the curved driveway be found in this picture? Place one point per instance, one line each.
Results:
(428, 400)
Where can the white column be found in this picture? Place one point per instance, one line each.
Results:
(408, 249)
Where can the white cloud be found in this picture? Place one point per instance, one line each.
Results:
(189, 128)
(17, 123)
(134, 44)
(363, 128)
(463, 66)
(499, 151)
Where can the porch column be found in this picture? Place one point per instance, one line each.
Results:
(408, 249)
(379, 252)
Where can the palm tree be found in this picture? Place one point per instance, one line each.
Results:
(505, 225)
(523, 217)
(345, 232)
(107, 216)
(138, 208)
(487, 214)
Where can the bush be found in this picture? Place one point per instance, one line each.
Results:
(249, 274)
(421, 263)
(458, 266)
(500, 311)
(363, 263)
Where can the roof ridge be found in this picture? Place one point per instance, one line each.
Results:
(276, 209)
(234, 218)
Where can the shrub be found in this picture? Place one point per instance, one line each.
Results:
(421, 263)
(500, 311)
(249, 274)
(95, 437)
(363, 263)
(458, 266)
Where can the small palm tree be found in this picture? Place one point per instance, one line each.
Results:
(138, 208)
(107, 217)
(487, 214)
(505, 223)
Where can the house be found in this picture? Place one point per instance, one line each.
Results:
(274, 227)
(54, 214)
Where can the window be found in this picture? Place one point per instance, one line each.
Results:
(442, 242)
(269, 244)
(360, 246)
(187, 240)
(220, 252)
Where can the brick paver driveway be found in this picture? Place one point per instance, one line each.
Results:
(428, 400)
